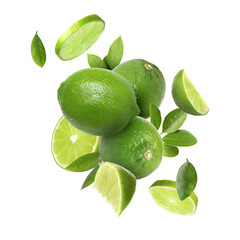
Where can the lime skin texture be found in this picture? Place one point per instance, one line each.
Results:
(138, 148)
(97, 101)
(148, 82)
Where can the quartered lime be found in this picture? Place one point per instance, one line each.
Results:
(116, 184)
(79, 37)
(165, 194)
(68, 143)
(186, 96)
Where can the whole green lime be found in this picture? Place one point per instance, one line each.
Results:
(97, 101)
(138, 148)
(147, 80)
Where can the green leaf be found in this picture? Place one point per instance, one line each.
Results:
(155, 116)
(105, 61)
(186, 180)
(180, 138)
(38, 51)
(115, 53)
(96, 62)
(173, 121)
(170, 151)
(90, 178)
(84, 163)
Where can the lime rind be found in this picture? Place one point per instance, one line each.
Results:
(69, 143)
(79, 37)
(165, 194)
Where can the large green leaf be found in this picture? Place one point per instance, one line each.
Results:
(180, 138)
(96, 62)
(173, 121)
(155, 116)
(186, 180)
(85, 162)
(38, 51)
(90, 178)
(115, 53)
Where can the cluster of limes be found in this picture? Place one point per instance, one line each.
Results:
(104, 126)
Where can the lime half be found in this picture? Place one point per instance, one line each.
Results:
(68, 143)
(79, 37)
(165, 194)
(116, 184)
(186, 96)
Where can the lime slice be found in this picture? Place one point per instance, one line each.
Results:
(116, 184)
(79, 37)
(68, 143)
(186, 96)
(165, 194)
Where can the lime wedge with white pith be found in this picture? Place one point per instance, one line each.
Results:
(165, 194)
(186, 96)
(116, 184)
(79, 37)
(69, 144)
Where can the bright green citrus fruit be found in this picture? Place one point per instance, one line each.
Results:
(186, 96)
(116, 184)
(138, 148)
(97, 101)
(79, 37)
(165, 194)
(147, 80)
(68, 143)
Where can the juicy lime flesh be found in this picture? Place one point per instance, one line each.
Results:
(80, 40)
(138, 148)
(165, 194)
(108, 184)
(194, 97)
(68, 143)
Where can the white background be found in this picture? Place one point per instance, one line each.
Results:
(41, 201)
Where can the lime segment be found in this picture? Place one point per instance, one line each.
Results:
(116, 184)
(186, 96)
(165, 195)
(68, 143)
(79, 37)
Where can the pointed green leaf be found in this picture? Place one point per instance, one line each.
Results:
(96, 62)
(115, 53)
(85, 162)
(90, 178)
(186, 180)
(155, 116)
(38, 51)
(105, 61)
(180, 138)
(173, 121)
(170, 151)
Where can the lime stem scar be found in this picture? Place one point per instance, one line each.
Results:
(148, 67)
(148, 155)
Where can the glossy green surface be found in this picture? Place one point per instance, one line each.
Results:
(155, 116)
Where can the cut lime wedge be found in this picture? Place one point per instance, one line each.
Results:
(186, 96)
(116, 184)
(79, 37)
(165, 194)
(69, 144)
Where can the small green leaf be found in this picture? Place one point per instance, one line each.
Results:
(155, 116)
(180, 138)
(90, 178)
(173, 121)
(170, 151)
(115, 53)
(105, 61)
(186, 180)
(84, 163)
(38, 51)
(96, 62)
